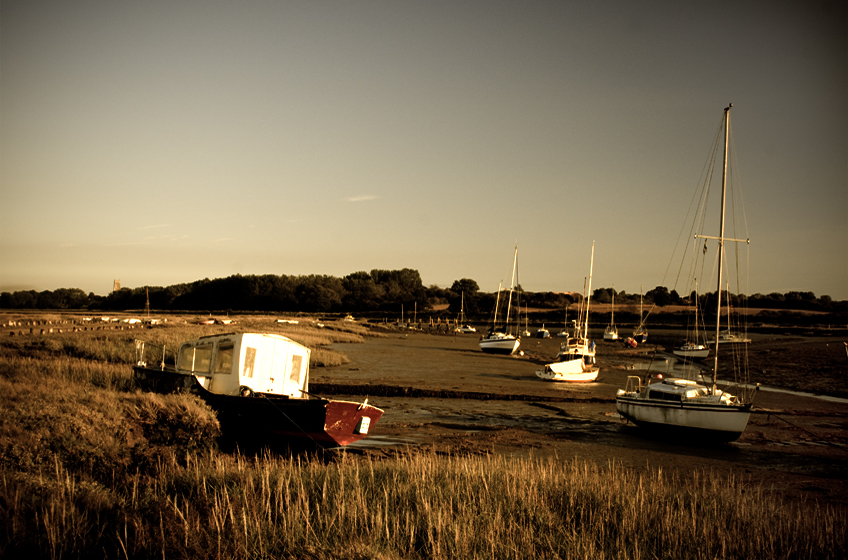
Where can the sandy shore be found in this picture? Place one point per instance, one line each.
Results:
(440, 391)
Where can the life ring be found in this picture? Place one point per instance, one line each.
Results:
(245, 391)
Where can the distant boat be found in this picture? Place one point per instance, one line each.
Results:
(726, 337)
(693, 348)
(463, 326)
(684, 407)
(640, 333)
(499, 340)
(578, 366)
(258, 386)
(611, 333)
(543, 332)
(564, 332)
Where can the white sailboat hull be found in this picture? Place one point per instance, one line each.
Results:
(722, 422)
(610, 335)
(574, 371)
(692, 351)
(504, 344)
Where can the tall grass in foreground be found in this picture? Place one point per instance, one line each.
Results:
(413, 506)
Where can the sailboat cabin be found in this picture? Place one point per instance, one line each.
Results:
(265, 363)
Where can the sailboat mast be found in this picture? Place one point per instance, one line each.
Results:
(511, 286)
(497, 301)
(721, 239)
(589, 293)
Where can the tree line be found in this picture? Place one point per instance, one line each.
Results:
(376, 292)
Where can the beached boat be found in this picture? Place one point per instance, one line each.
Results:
(693, 348)
(543, 332)
(727, 337)
(640, 333)
(611, 332)
(575, 363)
(258, 384)
(564, 332)
(463, 326)
(685, 406)
(499, 339)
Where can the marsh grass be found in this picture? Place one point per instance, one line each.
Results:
(115, 343)
(92, 469)
(416, 505)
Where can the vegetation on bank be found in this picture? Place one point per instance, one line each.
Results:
(376, 292)
(90, 468)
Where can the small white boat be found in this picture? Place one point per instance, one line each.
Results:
(693, 350)
(575, 362)
(640, 333)
(464, 327)
(543, 332)
(727, 337)
(499, 340)
(611, 332)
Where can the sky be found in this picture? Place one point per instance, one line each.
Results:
(165, 142)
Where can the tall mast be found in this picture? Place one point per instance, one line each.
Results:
(721, 240)
(511, 285)
(589, 293)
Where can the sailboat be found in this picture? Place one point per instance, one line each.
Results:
(611, 333)
(463, 326)
(686, 406)
(640, 333)
(499, 340)
(564, 332)
(728, 336)
(578, 366)
(693, 348)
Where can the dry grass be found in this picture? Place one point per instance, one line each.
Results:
(91, 469)
(413, 506)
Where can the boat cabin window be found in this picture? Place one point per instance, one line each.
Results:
(296, 364)
(663, 396)
(249, 359)
(195, 358)
(224, 359)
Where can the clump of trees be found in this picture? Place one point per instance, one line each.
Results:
(378, 291)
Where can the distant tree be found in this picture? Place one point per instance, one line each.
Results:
(603, 295)
(465, 285)
(659, 296)
(361, 292)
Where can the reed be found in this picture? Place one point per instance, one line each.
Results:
(416, 505)
(116, 343)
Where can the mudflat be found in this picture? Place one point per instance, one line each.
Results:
(440, 392)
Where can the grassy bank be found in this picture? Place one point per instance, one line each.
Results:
(413, 506)
(90, 468)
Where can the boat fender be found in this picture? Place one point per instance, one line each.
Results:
(245, 391)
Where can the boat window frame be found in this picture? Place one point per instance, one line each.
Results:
(205, 351)
(224, 349)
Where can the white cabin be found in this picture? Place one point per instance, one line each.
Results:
(266, 363)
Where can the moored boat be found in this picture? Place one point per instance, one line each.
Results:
(684, 406)
(576, 360)
(499, 340)
(611, 332)
(258, 385)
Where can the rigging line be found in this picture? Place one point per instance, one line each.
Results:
(703, 184)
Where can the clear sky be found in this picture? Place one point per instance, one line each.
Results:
(163, 142)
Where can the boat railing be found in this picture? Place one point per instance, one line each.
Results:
(141, 347)
(634, 384)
